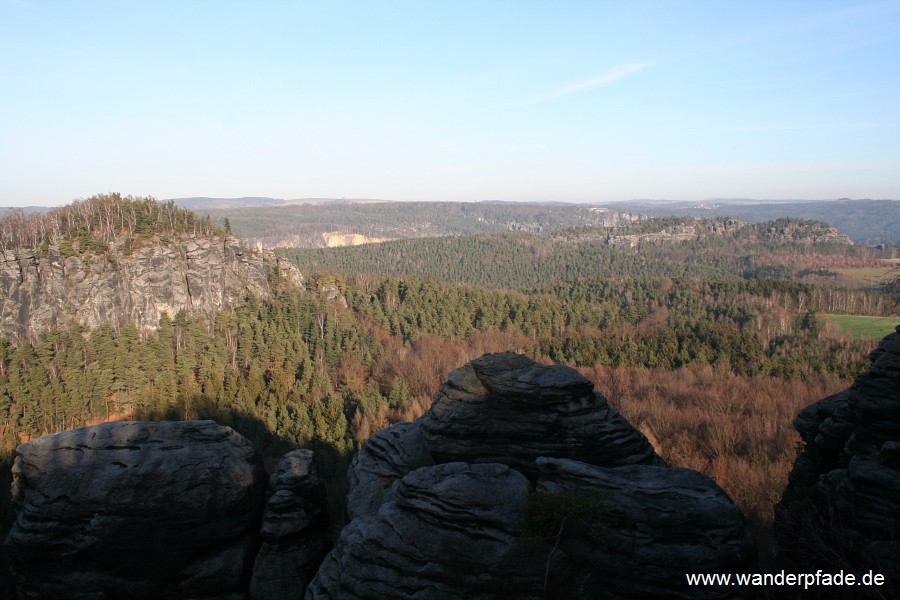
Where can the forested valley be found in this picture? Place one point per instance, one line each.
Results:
(710, 345)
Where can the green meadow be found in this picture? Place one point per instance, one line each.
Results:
(873, 328)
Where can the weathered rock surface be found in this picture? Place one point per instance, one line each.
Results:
(841, 508)
(655, 522)
(198, 274)
(445, 531)
(293, 530)
(136, 510)
(468, 526)
(385, 458)
(508, 409)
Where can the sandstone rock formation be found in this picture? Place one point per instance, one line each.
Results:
(136, 510)
(841, 509)
(655, 522)
(444, 531)
(508, 409)
(383, 460)
(521, 482)
(293, 530)
(198, 274)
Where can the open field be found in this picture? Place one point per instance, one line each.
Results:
(867, 277)
(873, 328)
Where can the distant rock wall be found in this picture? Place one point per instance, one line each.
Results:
(797, 232)
(198, 274)
(335, 239)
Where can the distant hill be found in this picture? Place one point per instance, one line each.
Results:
(661, 247)
(309, 222)
(865, 221)
(4, 210)
(313, 225)
(202, 203)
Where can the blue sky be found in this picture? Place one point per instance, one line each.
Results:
(462, 100)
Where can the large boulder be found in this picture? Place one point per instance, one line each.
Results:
(136, 510)
(385, 458)
(841, 508)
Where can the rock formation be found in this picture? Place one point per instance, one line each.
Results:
(136, 510)
(198, 274)
(519, 482)
(841, 509)
(508, 409)
(522, 482)
(383, 460)
(293, 530)
(444, 531)
(655, 522)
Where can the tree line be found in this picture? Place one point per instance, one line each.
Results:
(95, 223)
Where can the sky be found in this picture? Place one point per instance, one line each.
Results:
(586, 101)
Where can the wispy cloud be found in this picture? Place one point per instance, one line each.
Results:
(606, 78)
(768, 128)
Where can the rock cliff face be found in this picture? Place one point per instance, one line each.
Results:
(521, 482)
(841, 509)
(198, 274)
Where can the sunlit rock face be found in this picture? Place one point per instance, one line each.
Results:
(136, 510)
(841, 509)
(200, 275)
(521, 482)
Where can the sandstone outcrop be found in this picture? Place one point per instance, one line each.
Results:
(555, 495)
(841, 509)
(521, 482)
(383, 460)
(656, 522)
(508, 409)
(293, 530)
(136, 510)
(200, 275)
(444, 531)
